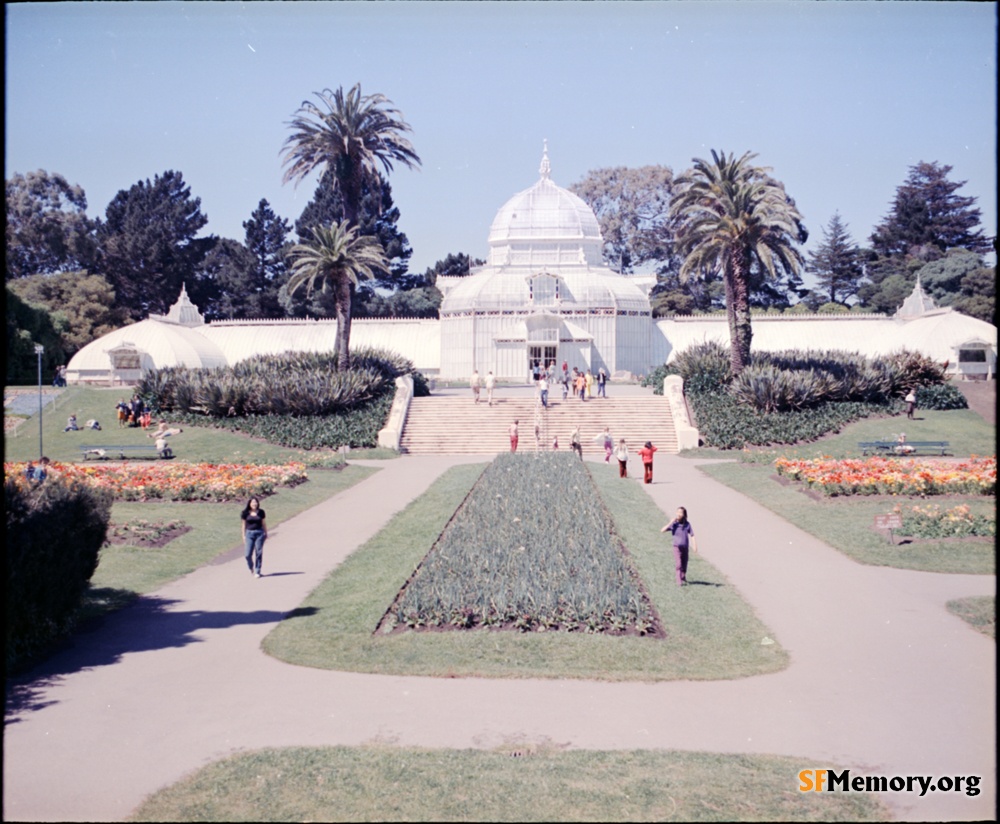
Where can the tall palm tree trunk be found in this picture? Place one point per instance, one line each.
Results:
(345, 289)
(343, 325)
(738, 312)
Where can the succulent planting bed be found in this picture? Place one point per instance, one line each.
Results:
(532, 548)
(142, 533)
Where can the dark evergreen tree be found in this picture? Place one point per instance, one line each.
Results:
(268, 243)
(148, 248)
(836, 263)
(377, 218)
(927, 211)
(453, 265)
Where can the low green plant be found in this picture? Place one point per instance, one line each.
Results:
(54, 535)
(552, 555)
(296, 384)
(933, 521)
(942, 396)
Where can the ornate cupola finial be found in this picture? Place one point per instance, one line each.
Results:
(545, 168)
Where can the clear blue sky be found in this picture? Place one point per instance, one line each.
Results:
(838, 98)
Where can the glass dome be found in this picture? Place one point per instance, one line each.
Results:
(545, 225)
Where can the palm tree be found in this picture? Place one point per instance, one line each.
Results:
(351, 135)
(336, 259)
(732, 215)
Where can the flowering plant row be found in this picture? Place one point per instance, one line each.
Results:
(532, 548)
(930, 521)
(892, 476)
(177, 481)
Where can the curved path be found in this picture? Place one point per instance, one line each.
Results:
(883, 679)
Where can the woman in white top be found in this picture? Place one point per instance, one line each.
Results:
(621, 453)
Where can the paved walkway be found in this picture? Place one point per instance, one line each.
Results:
(883, 679)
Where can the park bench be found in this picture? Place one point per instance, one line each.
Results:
(894, 447)
(123, 450)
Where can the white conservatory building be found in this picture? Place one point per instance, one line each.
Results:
(544, 295)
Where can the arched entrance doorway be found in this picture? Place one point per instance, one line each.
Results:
(542, 341)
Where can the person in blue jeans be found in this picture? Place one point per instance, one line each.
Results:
(254, 534)
(683, 534)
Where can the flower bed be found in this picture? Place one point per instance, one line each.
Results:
(532, 548)
(930, 521)
(177, 481)
(892, 476)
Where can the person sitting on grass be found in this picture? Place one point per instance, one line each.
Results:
(71, 425)
(93, 424)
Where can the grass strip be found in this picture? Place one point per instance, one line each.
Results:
(847, 522)
(381, 783)
(979, 611)
(712, 632)
(966, 432)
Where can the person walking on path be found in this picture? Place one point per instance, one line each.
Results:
(608, 443)
(622, 455)
(574, 442)
(580, 384)
(564, 380)
(543, 386)
(513, 436)
(474, 382)
(589, 378)
(911, 403)
(491, 383)
(646, 454)
(555, 443)
(254, 535)
(602, 383)
(683, 537)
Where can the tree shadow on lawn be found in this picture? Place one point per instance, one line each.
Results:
(146, 625)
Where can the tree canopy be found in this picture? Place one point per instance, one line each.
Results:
(836, 263)
(148, 244)
(336, 259)
(633, 210)
(354, 137)
(927, 211)
(732, 215)
(47, 225)
(81, 306)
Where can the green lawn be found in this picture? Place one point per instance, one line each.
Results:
(712, 632)
(195, 444)
(980, 612)
(127, 571)
(965, 430)
(379, 783)
(847, 522)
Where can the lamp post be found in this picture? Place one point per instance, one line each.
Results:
(38, 351)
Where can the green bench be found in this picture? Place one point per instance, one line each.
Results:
(894, 447)
(123, 450)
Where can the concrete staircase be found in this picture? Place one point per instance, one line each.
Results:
(453, 424)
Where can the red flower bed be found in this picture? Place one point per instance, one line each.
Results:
(177, 481)
(892, 476)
